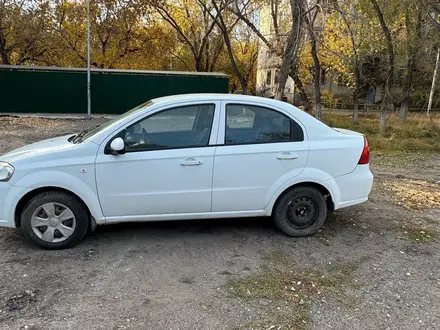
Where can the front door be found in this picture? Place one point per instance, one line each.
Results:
(259, 149)
(167, 167)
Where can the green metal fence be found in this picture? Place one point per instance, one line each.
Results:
(64, 90)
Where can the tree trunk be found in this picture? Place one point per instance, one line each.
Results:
(317, 82)
(355, 107)
(412, 54)
(357, 74)
(407, 88)
(301, 91)
(387, 99)
(431, 94)
(237, 72)
(4, 57)
(316, 65)
(225, 33)
(385, 107)
(207, 57)
(3, 52)
(404, 109)
(286, 67)
(404, 106)
(290, 56)
(318, 105)
(383, 116)
(199, 63)
(357, 84)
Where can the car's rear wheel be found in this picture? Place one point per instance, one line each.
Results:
(301, 211)
(54, 220)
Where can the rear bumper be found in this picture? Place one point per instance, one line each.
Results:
(354, 187)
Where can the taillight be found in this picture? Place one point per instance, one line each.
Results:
(365, 156)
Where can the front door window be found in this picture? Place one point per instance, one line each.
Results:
(181, 127)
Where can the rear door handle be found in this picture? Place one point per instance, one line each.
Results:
(287, 156)
(190, 161)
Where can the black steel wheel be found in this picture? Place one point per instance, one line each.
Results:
(301, 211)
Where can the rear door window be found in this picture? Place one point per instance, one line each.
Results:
(249, 124)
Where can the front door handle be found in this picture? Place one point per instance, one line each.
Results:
(287, 156)
(190, 161)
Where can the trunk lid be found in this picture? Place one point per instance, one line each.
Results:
(346, 131)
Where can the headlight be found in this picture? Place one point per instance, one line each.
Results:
(6, 171)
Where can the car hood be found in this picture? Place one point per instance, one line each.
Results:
(37, 149)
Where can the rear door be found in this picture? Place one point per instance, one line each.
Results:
(259, 148)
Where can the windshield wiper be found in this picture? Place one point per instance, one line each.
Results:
(77, 138)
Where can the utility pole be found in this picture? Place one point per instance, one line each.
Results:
(431, 94)
(89, 96)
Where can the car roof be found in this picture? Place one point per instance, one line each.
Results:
(307, 120)
(217, 96)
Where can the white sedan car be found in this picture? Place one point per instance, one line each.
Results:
(189, 156)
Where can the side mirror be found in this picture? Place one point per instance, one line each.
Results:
(117, 146)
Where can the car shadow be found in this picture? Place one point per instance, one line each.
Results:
(263, 227)
(259, 225)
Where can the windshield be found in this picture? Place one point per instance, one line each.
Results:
(87, 134)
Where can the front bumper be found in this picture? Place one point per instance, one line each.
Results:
(9, 198)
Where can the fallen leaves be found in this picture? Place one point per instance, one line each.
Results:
(14, 123)
(414, 194)
(401, 159)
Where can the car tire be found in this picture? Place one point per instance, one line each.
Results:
(55, 220)
(300, 212)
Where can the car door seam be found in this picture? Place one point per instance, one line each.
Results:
(212, 178)
(98, 195)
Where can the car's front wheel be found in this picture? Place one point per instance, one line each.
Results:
(54, 220)
(301, 211)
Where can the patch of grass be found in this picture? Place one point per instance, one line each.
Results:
(419, 235)
(281, 284)
(276, 257)
(339, 275)
(419, 134)
(290, 292)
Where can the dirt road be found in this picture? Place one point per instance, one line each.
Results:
(374, 266)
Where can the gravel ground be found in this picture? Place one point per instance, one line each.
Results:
(373, 266)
